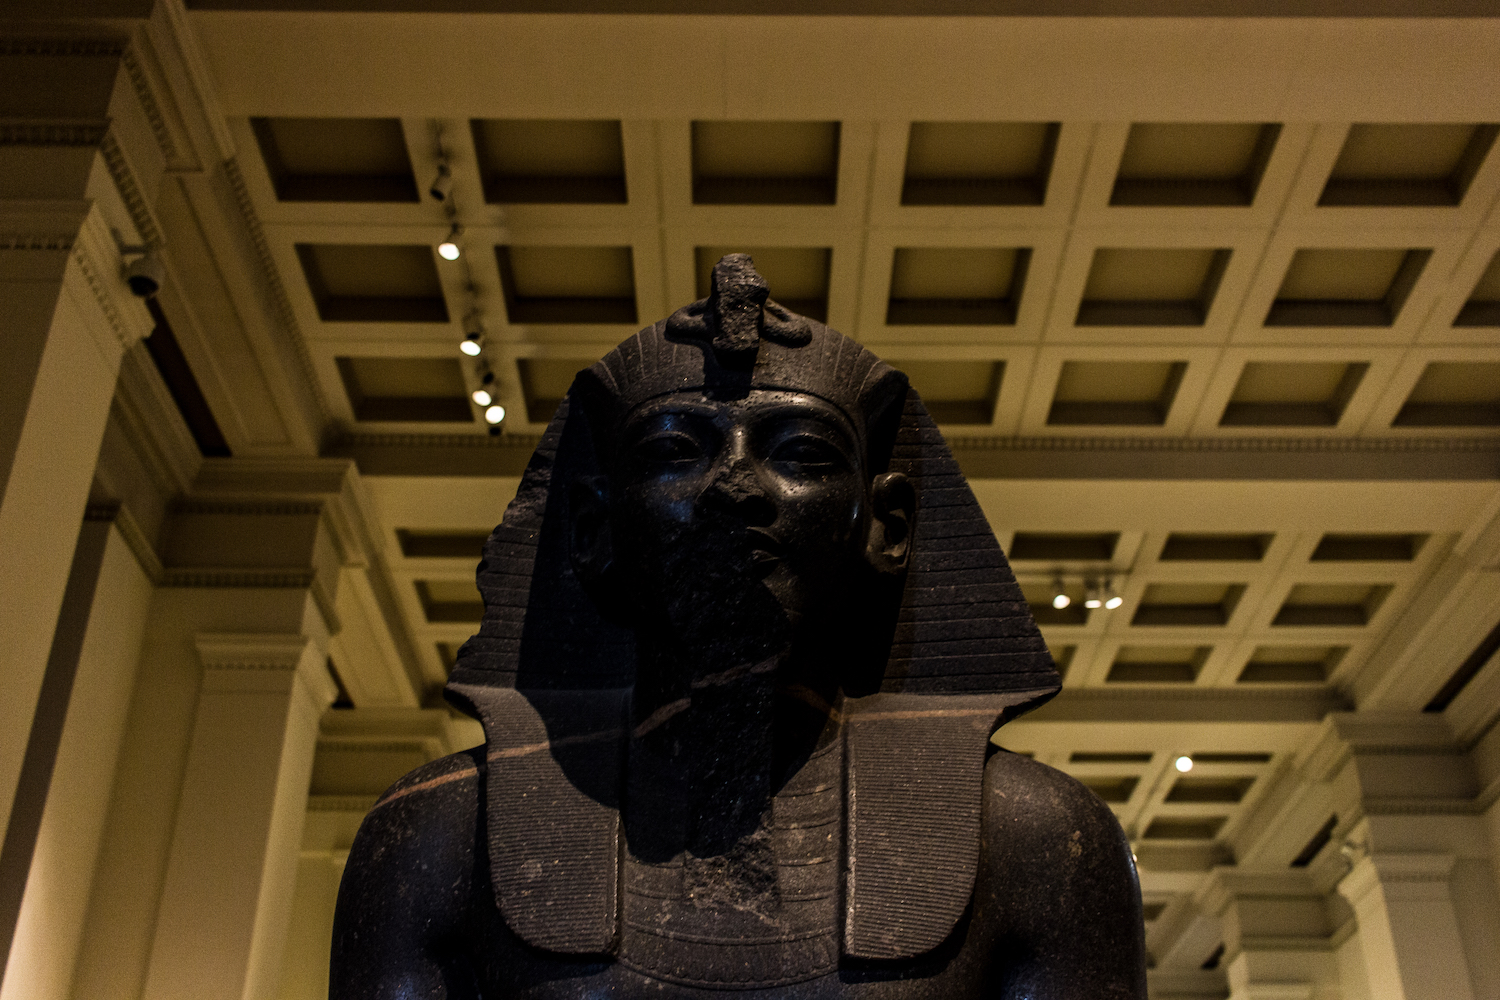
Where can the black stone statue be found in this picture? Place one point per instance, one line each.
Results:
(747, 636)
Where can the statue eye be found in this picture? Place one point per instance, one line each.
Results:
(806, 450)
(671, 448)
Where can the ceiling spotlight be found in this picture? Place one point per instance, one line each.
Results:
(1184, 763)
(494, 414)
(442, 185)
(448, 249)
(1060, 599)
(1112, 600)
(470, 345)
(1093, 596)
(483, 396)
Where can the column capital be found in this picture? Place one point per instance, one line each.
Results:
(1409, 875)
(246, 660)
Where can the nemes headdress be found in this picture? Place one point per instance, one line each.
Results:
(549, 676)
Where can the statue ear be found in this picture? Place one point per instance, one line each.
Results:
(893, 510)
(589, 544)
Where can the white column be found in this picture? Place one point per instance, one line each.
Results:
(67, 841)
(232, 868)
(65, 319)
(1407, 926)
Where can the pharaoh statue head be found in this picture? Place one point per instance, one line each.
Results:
(739, 505)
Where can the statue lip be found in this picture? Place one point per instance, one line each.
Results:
(765, 550)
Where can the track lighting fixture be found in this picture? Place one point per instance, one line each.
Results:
(448, 249)
(484, 395)
(1112, 600)
(1060, 598)
(473, 334)
(441, 188)
(1093, 595)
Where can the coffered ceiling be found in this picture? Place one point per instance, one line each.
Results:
(1209, 309)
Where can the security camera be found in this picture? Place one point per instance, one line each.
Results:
(145, 274)
(442, 184)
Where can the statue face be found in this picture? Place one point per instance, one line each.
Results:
(772, 488)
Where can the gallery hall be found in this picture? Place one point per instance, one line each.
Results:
(1204, 296)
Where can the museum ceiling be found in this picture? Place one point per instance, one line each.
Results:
(1210, 312)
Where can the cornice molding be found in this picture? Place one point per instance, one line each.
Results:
(60, 45)
(280, 301)
(250, 650)
(130, 192)
(57, 132)
(145, 94)
(234, 577)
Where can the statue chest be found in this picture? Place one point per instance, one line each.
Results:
(765, 913)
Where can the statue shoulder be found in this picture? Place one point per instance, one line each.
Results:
(1058, 882)
(411, 866)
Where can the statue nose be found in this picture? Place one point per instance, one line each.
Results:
(738, 488)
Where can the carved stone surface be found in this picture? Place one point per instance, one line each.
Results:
(747, 637)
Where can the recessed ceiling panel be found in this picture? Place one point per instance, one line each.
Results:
(1157, 664)
(336, 159)
(1117, 393)
(544, 382)
(1292, 393)
(427, 390)
(1291, 664)
(1346, 287)
(955, 392)
(978, 163)
(1483, 307)
(1188, 603)
(359, 282)
(765, 163)
(959, 286)
(1186, 547)
(550, 161)
(1454, 394)
(1174, 163)
(1151, 287)
(1331, 604)
(567, 284)
(1407, 164)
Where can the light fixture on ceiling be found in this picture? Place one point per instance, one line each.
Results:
(484, 396)
(473, 334)
(448, 249)
(441, 187)
(494, 414)
(1112, 600)
(1093, 595)
(1060, 598)
(1184, 764)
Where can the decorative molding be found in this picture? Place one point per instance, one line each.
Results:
(147, 97)
(253, 508)
(130, 191)
(54, 242)
(250, 650)
(61, 132)
(280, 301)
(52, 46)
(238, 578)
